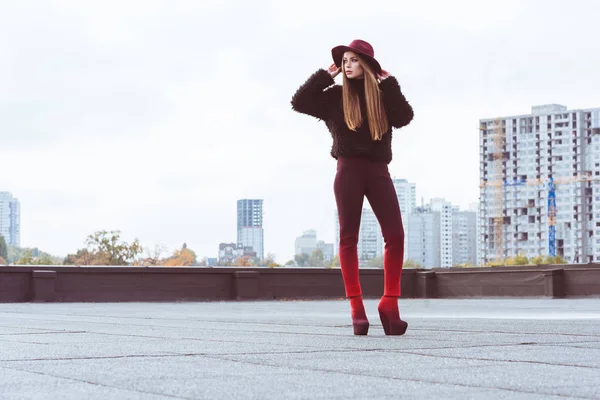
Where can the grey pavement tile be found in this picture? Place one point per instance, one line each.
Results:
(556, 355)
(543, 379)
(31, 351)
(582, 345)
(485, 375)
(23, 385)
(201, 377)
(474, 326)
(8, 331)
(149, 347)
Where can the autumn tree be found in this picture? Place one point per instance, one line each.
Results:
(181, 257)
(245, 261)
(82, 257)
(3, 261)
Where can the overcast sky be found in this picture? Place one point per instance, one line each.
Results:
(154, 117)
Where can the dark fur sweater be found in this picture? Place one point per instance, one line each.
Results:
(317, 97)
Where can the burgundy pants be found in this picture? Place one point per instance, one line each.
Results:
(355, 179)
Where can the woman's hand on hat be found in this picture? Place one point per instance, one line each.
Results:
(383, 75)
(334, 70)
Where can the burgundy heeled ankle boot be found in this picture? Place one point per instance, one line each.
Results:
(390, 316)
(360, 323)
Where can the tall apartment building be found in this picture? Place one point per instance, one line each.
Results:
(250, 231)
(464, 237)
(474, 207)
(521, 158)
(10, 219)
(370, 238)
(407, 195)
(407, 199)
(440, 235)
(422, 229)
(446, 243)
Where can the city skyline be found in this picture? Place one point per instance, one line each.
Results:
(250, 218)
(116, 116)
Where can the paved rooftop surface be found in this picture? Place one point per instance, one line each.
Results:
(453, 349)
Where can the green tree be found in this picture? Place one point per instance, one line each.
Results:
(519, 259)
(108, 249)
(335, 262)
(25, 259)
(464, 265)
(31, 257)
(555, 260)
(289, 262)
(269, 261)
(412, 264)
(3, 248)
(541, 260)
(316, 259)
(301, 259)
(376, 262)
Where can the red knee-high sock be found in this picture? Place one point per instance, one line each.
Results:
(393, 259)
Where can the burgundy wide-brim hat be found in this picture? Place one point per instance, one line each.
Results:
(360, 47)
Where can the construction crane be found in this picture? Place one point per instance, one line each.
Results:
(551, 218)
(550, 185)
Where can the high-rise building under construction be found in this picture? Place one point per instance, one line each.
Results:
(540, 184)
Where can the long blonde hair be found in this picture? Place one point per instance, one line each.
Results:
(378, 122)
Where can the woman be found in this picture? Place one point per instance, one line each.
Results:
(360, 115)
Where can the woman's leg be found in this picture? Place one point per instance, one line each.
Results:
(349, 195)
(384, 201)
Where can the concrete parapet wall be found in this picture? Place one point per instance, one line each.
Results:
(116, 284)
